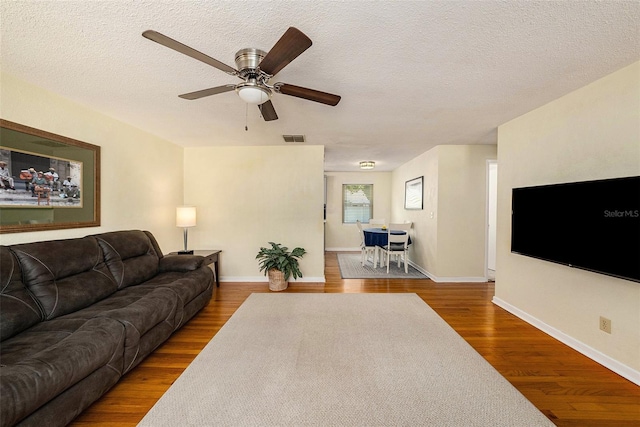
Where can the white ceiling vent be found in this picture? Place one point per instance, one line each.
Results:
(293, 138)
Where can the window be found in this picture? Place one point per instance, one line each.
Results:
(357, 203)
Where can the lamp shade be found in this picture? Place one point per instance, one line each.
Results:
(185, 216)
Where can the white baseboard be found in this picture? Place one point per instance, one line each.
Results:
(421, 270)
(461, 279)
(447, 279)
(259, 279)
(593, 354)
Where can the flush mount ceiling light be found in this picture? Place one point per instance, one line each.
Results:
(252, 93)
(367, 165)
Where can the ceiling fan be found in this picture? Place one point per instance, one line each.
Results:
(255, 67)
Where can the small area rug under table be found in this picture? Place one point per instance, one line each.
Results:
(340, 360)
(351, 268)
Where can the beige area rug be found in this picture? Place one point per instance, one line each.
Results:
(340, 360)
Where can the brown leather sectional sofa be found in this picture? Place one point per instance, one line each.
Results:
(77, 314)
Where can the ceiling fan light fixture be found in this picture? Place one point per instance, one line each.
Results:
(252, 93)
(367, 164)
(256, 68)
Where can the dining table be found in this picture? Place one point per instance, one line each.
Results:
(379, 236)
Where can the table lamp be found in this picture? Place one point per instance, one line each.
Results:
(185, 217)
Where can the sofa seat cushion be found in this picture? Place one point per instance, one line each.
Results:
(190, 288)
(187, 285)
(148, 316)
(47, 359)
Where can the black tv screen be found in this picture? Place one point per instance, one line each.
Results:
(592, 225)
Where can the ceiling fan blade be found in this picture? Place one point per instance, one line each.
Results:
(184, 49)
(292, 43)
(268, 112)
(207, 92)
(306, 93)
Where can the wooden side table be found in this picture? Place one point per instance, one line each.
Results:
(210, 257)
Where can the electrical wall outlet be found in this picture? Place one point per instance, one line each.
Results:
(605, 324)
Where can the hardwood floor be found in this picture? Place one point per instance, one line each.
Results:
(569, 388)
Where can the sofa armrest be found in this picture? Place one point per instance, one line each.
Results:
(180, 263)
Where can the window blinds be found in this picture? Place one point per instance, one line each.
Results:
(357, 203)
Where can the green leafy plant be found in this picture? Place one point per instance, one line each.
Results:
(279, 257)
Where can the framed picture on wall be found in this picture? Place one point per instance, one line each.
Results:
(413, 193)
(49, 181)
(40, 180)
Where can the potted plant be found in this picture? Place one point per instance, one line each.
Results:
(280, 264)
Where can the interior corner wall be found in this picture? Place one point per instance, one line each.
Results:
(592, 133)
(248, 196)
(462, 210)
(345, 237)
(423, 252)
(141, 174)
(450, 231)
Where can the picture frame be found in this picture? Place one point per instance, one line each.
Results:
(413, 194)
(66, 193)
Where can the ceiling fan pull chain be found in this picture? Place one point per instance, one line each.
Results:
(246, 117)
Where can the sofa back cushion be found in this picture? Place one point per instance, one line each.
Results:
(65, 275)
(18, 308)
(130, 255)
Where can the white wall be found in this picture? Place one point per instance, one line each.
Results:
(450, 232)
(345, 237)
(592, 133)
(141, 177)
(248, 196)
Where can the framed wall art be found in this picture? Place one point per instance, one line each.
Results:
(413, 193)
(48, 181)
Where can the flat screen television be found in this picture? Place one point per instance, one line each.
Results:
(592, 225)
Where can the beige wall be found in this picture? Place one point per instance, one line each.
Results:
(449, 233)
(462, 209)
(345, 237)
(592, 133)
(141, 173)
(248, 196)
(144, 179)
(423, 252)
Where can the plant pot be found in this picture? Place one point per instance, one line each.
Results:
(276, 280)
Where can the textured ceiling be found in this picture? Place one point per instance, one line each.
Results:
(412, 75)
